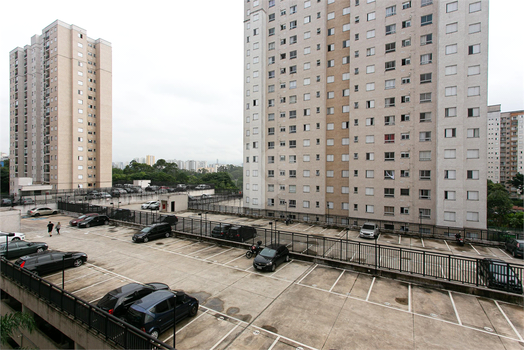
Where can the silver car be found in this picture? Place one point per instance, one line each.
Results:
(369, 230)
(154, 205)
(41, 211)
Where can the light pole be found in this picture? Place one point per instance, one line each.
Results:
(327, 219)
(271, 230)
(174, 324)
(200, 214)
(7, 235)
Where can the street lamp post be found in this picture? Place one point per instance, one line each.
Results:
(10, 234)
(327, 219)
(174, 325)
(271, 230)
(200, 214)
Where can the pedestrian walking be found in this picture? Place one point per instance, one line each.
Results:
(58, 226)
(50, 228)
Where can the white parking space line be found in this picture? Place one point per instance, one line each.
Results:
(309, 228)
(295, 225)
(370, 288)
(281, 268)
(224, 337)
(323, 230)
(307, 273)
(230, 261)
(341, 233)
(179, 330)
(113, 273)
(274, 343)
(72, 279)
(422, 241)
(454, 308)
(399, 238)
(92, 301)
(334, 284)
(474, 248)
(506, 254)
(307, 248)
(189, 245)
(409, 297)
(225, 251)
(200, 250)
(92, 285)
(507, 319)
(447, 245)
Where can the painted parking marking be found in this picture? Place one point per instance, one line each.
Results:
(323, 230)
(474, 248)
(307, 273)
(506, 254)
(409, 297)
(510, 323)
(334, 284)
(307, 248)
(225, 251)
(230, 261)
(274, 343)
(206, 248)
(454, 308)
(92, 285)
(308, 228)
(399, 238)
(422, 241)
(111, 272)
(178, 331)
(224, 337)
(370, 288)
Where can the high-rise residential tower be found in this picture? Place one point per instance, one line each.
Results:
(61, 109)
(367, 109)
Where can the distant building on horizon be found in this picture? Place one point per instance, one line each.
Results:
(150, 160)
(60, 109)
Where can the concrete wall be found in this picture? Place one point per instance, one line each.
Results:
(10, 220)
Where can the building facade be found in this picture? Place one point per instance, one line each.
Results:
(505, 146)
(61, 109)
(368, 109)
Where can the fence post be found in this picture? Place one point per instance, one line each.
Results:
(449, 267)
(292, 241)
(359, 261)
(323, 247)
(400, 259)
(424, 263)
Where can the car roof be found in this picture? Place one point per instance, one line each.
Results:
(126, 289)
(153, 298)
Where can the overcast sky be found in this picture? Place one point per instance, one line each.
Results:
(177, 69)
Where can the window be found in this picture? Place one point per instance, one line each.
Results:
(424, 156)
(425, 78)
(389, 102)
(406, 42)
(474, 28)
(404, 191)
(370, 209)
(390, 11)
(389, 156)
(370, 174)
(451, 28)
(370, 69)
(450, 154)
(472, 154)
(474, 91)
(389, 120)
(473, 112)
(406, 80)
(406, 5)
(426, 3)
(370, 86)
(451, 70)
(307, 19)
(451, 49)
(390, 47)
(425, 174)
(474, 49)
(391, 29)
(425, 136)
(474, 7)
(389, 192)
(389, 138)
(370, 138)
(473, 195)
(425, 97)
(451, 91)
(473, 174)
(451, 112)
(425, 20)
(369, 104)
(450, 174)
(426, 58)
(472, 216)
(370, 34)
(405, 99)
(426, 39)
(473, 133)
(404, 136)
(406, 24)
(389, 174)
(452, 6)
(473, 70)
(370, 51)
(370, 156)
(371, 16)
(292, 39)
(424, 194)
(449, 216)
(404, 173)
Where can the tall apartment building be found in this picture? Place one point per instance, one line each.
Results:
(61, 109)
(150, 160)
(367, 109)
(505, 146)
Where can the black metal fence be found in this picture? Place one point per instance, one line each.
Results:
(113, 329)
(354, 223)
(468, 271)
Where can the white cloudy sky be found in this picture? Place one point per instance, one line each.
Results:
(177, 69)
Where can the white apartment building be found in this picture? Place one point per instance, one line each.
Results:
(367, 109)
(61, 109)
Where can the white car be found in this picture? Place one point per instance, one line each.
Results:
(369, 230)
(154, 205)
(17, 236)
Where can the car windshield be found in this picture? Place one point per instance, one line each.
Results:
(368, 227)
(268, 253)
(83, 216)
(146, 229)
(33, 208)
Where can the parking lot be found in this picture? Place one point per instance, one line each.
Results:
(300, 306)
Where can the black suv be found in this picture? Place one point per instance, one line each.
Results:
(271, 256)
(221, 231)
(242, 233)
(170, 219)
(153, 313)
(117, 301)
(498, 274)
(152, 232)
(515, 247)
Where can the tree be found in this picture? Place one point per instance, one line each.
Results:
(499, 204)
(11, 322)
(517, 182)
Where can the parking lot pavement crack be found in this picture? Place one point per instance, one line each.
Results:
(296, 281)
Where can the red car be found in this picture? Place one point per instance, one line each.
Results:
(75, 222)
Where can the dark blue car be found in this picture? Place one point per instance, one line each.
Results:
(153, 313)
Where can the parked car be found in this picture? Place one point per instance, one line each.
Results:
(369, 230)
(104, 195)
(6, 202)
(241, 233)
(41, 211)
(270, 257)
(92, 195)
(515, 247)
(17, 236)
(498, 274)
(206, 196)
(152, 188)
(153, 205)
(202, 187)
(79, 219)
(153, 231)
(181, 187)
(94, 221)
(221, 231)
(117, 301)
(153, 313)
(16, 249)
(50, 261)
(122, 214)
(170, 219)
(117, 192)
(26, 200)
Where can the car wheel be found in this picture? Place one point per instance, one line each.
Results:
(273, 267)
(287, 258)
(106, 222)
(154, 333)
(193, 311)
(146, 239)
(55, 212)
(78, 262)
(16, 239)
(37, 214)
(168, 234)
(39, 250)
(249, 254)
(87, 225)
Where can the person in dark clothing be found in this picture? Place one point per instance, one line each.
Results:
(50, 228)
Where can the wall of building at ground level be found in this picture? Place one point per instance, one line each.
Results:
(10, 220)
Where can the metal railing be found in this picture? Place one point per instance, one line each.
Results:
(111, 328)
(437, 266)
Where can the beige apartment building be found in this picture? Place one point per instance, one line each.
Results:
(61, 109)
(367, 109)
(505, 146)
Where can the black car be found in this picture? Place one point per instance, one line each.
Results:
(271, 256)
(117, 301)
(170, 219)
(152, 232)
(221, 231)
(498, 274)
(242, 233)
(122, 214)
(17, 249)
(153, 313)
(94, 221)
(50, 261)
(515, 247)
